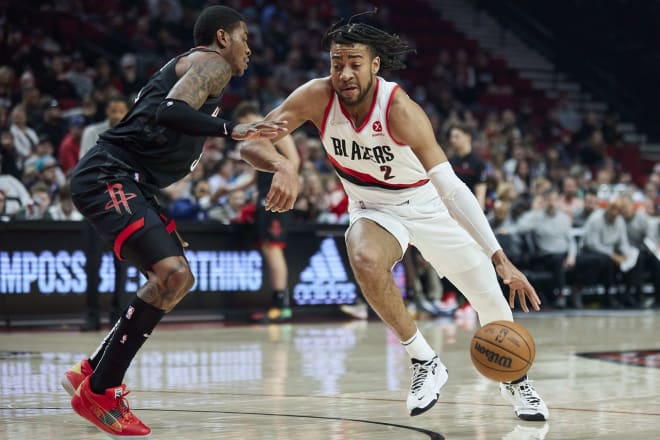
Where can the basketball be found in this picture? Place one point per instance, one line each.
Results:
(502, 350)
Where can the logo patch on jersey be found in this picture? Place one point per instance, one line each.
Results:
(377, 127)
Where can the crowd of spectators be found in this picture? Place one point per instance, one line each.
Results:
(60, 88)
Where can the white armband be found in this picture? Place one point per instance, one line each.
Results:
(463, 206)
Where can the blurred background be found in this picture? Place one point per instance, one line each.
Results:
(555, 104)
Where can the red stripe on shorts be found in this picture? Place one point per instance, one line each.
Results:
(125, 234)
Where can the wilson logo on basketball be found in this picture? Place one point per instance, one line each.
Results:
(495, 358)
(377, 126)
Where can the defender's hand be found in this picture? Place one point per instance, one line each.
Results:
(283, 189)
(517, 282)
(259, 129)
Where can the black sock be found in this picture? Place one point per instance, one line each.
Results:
(513, 382)
(98, 354)
(281, 298)
(133, 329)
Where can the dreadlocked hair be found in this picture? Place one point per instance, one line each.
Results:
(390, 48)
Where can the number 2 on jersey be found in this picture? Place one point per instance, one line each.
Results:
(388, 172)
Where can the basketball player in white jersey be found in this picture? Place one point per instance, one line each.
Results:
(403, 191)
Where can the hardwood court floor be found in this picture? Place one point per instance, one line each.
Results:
(343, 381)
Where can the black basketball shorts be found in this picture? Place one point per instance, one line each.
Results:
(271, 226)
(124, 212)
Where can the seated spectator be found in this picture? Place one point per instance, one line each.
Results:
(15, 194)
(202, 194)
(640, 228)
(36, 209)
(589, 205)
(80, 76)
(69, 151)
(555, 248)
(225, 179)
(311, 201)
(131, 81)
(49, 172)
(115, 110)
(336, 202)
(606, 244)
(52, 124)
(43, 154)
(569, 201)
(503, 226)
(63, 208)
(9, 160)
(229, 212)
(593, 151)
(25, 138)
(522, 177)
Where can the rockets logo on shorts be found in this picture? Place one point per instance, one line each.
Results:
(118, 199)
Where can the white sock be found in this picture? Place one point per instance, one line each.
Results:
(418, 348)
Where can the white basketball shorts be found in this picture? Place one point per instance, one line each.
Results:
(424, 222)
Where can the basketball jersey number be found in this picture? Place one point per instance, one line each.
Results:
(388, 172)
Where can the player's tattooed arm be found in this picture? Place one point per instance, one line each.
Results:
(207, 76)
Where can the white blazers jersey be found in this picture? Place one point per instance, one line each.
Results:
(372, 165)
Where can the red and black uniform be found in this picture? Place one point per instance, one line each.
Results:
(271, 226)
(115, 184)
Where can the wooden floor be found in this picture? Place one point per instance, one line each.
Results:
(343, 381)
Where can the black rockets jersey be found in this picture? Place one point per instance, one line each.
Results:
(162, 154)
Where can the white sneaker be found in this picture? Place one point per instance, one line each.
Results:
(357, 310)
(427, 380)
(526, 402)
(424, 305)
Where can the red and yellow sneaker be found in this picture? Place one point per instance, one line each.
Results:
(74, 377)
(109, 412)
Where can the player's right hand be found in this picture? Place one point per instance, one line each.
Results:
(283, 189)
(517, 282)
(258, 129)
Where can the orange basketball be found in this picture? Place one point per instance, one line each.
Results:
(502, 350)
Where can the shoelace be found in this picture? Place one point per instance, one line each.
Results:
(124, 408)
(420, 373)
(529, 394)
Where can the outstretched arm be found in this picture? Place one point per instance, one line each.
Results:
(207, 75)
(410, 125)
(306, 103)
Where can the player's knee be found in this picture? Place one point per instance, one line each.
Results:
(367, 265)
(179, 279)
(176, 279)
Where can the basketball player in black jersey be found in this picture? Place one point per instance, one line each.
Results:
(157, 143)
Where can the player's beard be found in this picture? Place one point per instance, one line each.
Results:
(360, 97)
